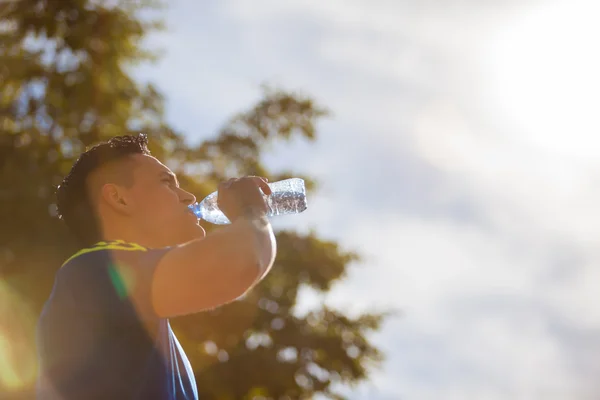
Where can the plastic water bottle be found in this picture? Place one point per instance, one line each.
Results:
(288, 197)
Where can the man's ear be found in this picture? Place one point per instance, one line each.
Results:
(116, 198)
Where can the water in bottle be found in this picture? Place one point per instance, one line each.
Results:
(288, 197)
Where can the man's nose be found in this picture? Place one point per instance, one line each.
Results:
(187, 197)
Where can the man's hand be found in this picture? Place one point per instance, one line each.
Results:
(239, 197)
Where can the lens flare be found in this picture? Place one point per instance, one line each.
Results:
(18, 362)
(123, 279)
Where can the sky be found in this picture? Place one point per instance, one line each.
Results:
(468, 178)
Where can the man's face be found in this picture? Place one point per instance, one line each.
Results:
(160, 206)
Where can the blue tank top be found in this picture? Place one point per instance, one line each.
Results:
(98, 336)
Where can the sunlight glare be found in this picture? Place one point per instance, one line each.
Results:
(543, 71)
(18, 363)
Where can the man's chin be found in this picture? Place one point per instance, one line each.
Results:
(201, 233)
(197, 233)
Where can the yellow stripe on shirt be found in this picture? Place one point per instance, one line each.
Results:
(112, 245)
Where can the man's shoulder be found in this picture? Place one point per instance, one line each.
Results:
(103, 276)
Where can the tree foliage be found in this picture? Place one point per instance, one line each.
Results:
(66, 83)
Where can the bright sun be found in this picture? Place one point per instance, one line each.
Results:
(544, 77)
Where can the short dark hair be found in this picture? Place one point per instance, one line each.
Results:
(73, 203)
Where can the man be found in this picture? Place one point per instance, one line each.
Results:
(104, 332)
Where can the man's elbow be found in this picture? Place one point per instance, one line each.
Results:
(237, 285)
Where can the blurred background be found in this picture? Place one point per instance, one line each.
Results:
(450, 248)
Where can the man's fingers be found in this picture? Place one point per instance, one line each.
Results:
(263, 184)
(227, 183)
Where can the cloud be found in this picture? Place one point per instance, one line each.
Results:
(479, 320)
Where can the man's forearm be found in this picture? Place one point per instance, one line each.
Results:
(264, 241)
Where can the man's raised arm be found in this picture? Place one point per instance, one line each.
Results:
(209, 272)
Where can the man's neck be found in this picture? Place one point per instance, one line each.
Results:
(127, 238)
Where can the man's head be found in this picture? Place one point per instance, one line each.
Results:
(117, 190)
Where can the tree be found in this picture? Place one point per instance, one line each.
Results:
(66, 83)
